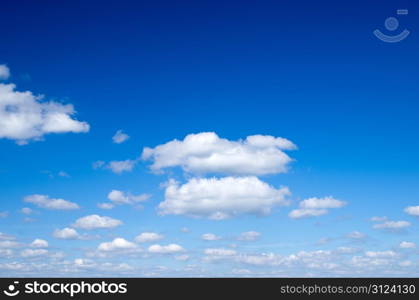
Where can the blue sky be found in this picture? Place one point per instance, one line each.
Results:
(296, 131)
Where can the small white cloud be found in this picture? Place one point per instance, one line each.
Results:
(44, 201)
(219, 252)
(407, 245)
(249, 236)
(379, 219)
(119, 197)
(210, 237)
(356, 235)
(4, 214)
(66, 234)
(26, 211)
(116, 244)
(392, 225)
(38, 243)
(183, 257)
(98, 164)
(118, 167)
(314, 207)
(207, 153)
(33, 252)
(380, 254)
(9, 244)
(147, 237)
(96, 222)
(120, 137)
(105, 205)
(167, 249)
(4, 72)
(63, 174)
(412, 210)
(222, 198)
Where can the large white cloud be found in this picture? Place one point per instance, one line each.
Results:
(25, 116)
(222, 198)
(314, 207)
(45, 201)
(207, 153)
(96, 222)
(4, 72)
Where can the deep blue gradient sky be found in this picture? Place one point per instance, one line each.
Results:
(308, 71)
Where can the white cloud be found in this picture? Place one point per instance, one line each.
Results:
(116, 244)
(6, 237)
(4, 214)
(119, 197)
(356, 235)
(66, 234)
(33, 252)
(314, 207)
(207, 153)
(105, 205)
(392, 225)
(118, 167)
(96, 222)
(222, 198)
(379, 219)
(4, 72)
(412, 210)
(63, 174)
(183, 257)
(98, 164)
(24, 116)
(120, 137)
(249, 236)
(214, 254)
(167, 249)
(380, 254)
(26, 211)
(407, 245)
(9, 244)
(210, 237)
(147, 237)
(38, 243)
(44, 201)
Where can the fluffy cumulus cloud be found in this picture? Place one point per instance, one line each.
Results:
(207, 153)
(314, 207)
(249, 236)
(4, 72)
(412, 210)
(25, 116)
(210, 237)
(46, 202)
(66, 234)
(38, 243)
(119, 167)
(222, 198)
(120, 137)
(165, 249)
(116, 244)
(96, 222)
(147, 237)
(392, 225)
